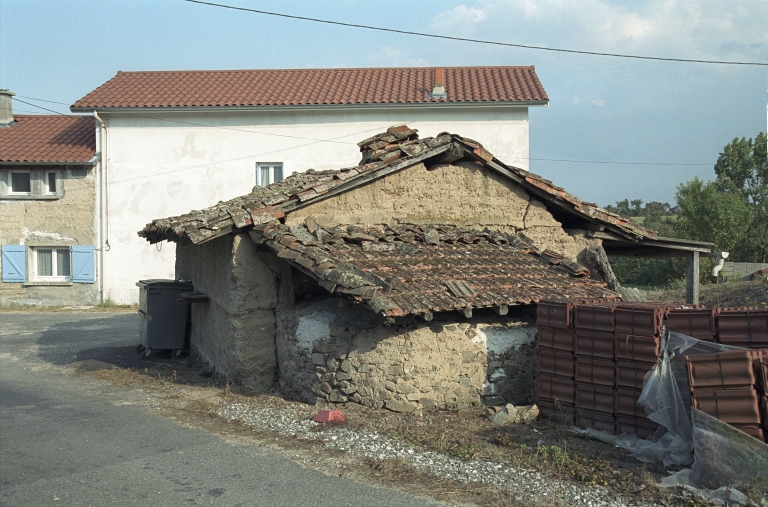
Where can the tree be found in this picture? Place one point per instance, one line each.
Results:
(710, 214)
(742, 169)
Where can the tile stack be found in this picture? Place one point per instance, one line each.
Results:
(556, 362)
(742, 327)
(637, 335)
(691, 321)
(731, 386)
(595, 366)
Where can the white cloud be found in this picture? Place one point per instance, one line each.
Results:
(578, 101)
(706, 29)
(388, 56)
(461, 18)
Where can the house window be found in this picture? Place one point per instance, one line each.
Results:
(268, 172)
(20, 183)
(50, 182)
(51, 264)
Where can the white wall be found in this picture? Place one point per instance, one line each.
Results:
(162, 164)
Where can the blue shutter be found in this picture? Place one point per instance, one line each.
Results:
(14, 263)
(82, 264)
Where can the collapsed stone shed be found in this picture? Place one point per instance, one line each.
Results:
(406, 282)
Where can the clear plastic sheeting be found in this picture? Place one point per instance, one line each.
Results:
(721, 456)
(724, 455)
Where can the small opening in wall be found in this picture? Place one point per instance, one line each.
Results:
(306, 288)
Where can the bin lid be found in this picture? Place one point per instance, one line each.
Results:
(159, 282)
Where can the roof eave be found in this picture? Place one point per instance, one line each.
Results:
(314, 107)
(90, 162)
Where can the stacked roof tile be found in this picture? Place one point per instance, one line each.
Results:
(394, 150)
(48, 139)
(407, 269)
(226, 88)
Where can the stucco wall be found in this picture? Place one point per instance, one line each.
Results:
(464, 194)
(235, 330)
(330, 351)
(161, 164)
(69, 220)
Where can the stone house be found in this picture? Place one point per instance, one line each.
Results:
(174, 140)
(408, 281)
(47, 208)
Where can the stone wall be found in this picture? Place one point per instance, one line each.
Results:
(66, 220)
(463, 194)
(334, 351)
(235, 330)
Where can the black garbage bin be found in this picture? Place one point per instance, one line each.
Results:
(163, 321)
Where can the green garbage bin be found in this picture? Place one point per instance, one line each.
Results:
(163, 321)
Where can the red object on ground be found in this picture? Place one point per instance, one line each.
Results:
(326, 416)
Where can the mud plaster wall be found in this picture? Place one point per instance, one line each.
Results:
(331, 351)
(235, 330)
(462, 194)
(69, 220)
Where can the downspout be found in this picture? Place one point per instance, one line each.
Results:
(101, 203)
(721, 256)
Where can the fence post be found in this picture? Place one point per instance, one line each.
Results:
(692, 279)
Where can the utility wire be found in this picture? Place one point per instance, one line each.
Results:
(43, 108)
(573, 161)
(188, 123)
(476, 41)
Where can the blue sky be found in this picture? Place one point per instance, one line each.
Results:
(602, 109)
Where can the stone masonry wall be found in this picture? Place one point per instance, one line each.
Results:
(66, 221)
(462, 194)
(332, 351)
(235, 330)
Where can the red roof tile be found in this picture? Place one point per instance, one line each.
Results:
(410, 269)
(312, 87)
(48, 139)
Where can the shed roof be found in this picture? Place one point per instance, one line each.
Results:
(383, 154)
(305, 87)
(48, 139)
(408, 269)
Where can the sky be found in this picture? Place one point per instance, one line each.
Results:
(615, 128)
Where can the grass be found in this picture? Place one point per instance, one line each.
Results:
(108, 304)
(730, 294)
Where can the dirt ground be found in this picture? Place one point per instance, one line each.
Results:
(185, 391)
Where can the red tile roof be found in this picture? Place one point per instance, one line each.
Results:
(410, 269)
(396, 149)
(312, 87)
(48, 139)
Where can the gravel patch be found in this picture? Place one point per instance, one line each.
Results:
(527, 484)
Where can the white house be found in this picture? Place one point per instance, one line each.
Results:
(172, 140)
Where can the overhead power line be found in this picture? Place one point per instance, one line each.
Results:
(476, 41)
(41, 107)
(573, 161)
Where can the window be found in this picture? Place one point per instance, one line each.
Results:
(48, 264)
(51, 264)
(50, 182)
(44, 183)
(20, 183)
(268, 172)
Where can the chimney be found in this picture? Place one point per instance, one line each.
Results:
(6, 107)
(438, 92)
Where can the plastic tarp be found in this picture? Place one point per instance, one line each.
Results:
(720, 455)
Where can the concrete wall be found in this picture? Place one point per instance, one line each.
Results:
(65, 220)
(464, 194)
(235, 330)
(161, 164)
(331, 351)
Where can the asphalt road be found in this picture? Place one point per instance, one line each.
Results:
(73, 441)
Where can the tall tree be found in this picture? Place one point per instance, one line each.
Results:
(742, 169)
(709, 214)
